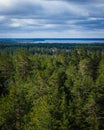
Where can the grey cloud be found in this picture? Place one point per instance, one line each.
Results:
(52, 16)
(22, 9)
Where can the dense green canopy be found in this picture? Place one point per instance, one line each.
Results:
(63, 90)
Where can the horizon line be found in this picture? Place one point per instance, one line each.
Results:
(49, 38)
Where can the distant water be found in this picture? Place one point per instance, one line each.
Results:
(53, 40)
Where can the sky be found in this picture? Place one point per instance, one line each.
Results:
(51, 18)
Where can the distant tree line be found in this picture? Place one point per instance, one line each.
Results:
(48, 48)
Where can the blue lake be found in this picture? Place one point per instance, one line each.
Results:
(53, 40)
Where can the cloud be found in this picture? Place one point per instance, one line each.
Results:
(22, 22)
(2, 18)
(51, 18)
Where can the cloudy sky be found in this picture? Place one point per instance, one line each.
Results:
(52, 18)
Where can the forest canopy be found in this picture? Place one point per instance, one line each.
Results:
(51, 86)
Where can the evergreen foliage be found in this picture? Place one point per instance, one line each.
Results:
(63, 90)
